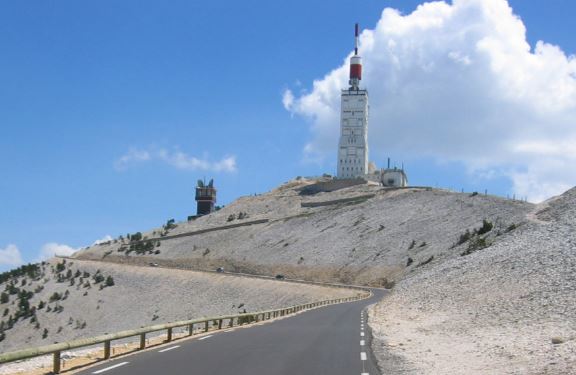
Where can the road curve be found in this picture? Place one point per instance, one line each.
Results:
(332, 340)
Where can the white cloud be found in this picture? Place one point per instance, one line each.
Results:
(176, 159)
(459, 82)
(10, 256)
(52, 249)
(106, 238)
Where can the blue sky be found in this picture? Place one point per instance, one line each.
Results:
(111, 110)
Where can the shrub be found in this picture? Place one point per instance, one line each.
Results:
(98, 278)
(409, 262)
(55, 297)
(45, 333)
(423, 244)
(478, 243)
(464, 237)
(109, 281)
(136, 237)
(486, 227)
(412, 244)
(4, 298)
(61, 266)
(170, 224)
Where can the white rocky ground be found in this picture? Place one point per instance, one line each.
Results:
(366, 241)
(506, 309)
(496, 310)
(144, 296)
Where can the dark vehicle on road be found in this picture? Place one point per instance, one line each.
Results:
(279, 277)
(220, 269)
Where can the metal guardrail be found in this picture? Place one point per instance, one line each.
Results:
(241, 319)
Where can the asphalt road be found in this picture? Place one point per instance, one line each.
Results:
(332, 340)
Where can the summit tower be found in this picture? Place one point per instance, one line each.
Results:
(353, 145)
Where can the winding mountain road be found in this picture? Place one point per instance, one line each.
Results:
(332, 340)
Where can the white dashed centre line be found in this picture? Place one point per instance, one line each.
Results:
(362, 334)
(361, 342)
(363, 356)
(170, 348)
(205, 337)
(364, 373)
(110, 368)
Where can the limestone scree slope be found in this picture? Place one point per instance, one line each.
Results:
(509, 308)
(362, 234)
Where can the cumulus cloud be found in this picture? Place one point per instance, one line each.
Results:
(176, 159)
(459, 82)
(10, 256)
(52, 249)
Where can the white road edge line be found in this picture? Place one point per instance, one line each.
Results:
(361, 342)
(205, 337)
(110, 368)
(363, 356)
(170, 348)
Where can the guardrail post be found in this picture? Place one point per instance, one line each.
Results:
(106, 349)
(206, 326)
(142, 341)
(220, 324)
(190, 329)
(56, 362)
(169, 338)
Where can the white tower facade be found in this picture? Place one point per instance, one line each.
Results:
(353, 145)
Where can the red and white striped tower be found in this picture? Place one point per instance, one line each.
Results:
(353, 145)
(355, 64)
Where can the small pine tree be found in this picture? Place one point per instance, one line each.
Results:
(45, 333)
(109, 281)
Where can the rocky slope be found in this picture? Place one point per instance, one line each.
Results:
(361, 234)
(509, 308)
(71, 299)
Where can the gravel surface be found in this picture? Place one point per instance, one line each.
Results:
(366, 242)
(507, 309)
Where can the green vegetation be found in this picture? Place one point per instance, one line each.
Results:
(486, 227)
(170, 224)
(32, 271)
(109, 281)
(55, 297)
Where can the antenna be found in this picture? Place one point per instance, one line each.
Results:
(356, 39)
(355, 63)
